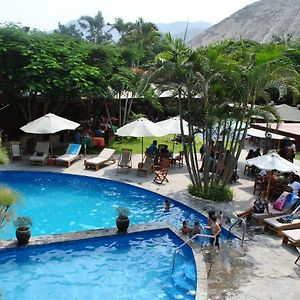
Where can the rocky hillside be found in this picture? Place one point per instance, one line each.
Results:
(260, 21)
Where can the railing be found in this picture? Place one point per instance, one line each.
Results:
(193, 237)
(238, 221)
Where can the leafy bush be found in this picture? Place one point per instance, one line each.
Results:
(23, 223)
(3, 156)
(7, 199)
(123, 213)
(215, 192)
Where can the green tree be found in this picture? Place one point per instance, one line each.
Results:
(45, 72)
(70, 30)
(217, 88)
(95, 29)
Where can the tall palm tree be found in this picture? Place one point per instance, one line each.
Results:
(95, 28)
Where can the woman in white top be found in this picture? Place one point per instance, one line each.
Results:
(294, 184)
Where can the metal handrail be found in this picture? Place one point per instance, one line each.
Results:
(193, 237)
(238, 221)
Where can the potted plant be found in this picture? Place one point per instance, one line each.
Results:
(23, 233)
(122, 220)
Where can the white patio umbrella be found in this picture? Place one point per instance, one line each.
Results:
(272, 161)
(48, 124)
(141, 128)
(172, 126)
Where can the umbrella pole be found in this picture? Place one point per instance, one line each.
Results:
(142, 149)
(174, 143)
(269, 185)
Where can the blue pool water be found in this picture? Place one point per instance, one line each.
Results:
(59, 203)
(134, 266)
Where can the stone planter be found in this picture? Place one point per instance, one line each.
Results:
(122, 224)
(23, 236)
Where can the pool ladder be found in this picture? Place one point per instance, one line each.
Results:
(237, 222)
(193, 237)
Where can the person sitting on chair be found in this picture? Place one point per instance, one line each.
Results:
(259, 206)
(153, 151)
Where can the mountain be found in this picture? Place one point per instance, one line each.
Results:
(177, 29)
(260, 21)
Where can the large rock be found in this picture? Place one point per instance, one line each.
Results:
(260, 21)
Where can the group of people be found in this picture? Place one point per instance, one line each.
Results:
(157, 152)
(214, 224)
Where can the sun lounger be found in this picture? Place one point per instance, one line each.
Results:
(40, 154)
(292, 237)
(259, 217)
(278, 227)
(125, 162)
(105, 156)
(145, 167)
(15, 151)
(71, 155)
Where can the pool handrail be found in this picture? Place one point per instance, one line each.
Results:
(190, 239)
(238, 221)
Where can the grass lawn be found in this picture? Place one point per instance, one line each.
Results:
(136, 143)
(297, 156)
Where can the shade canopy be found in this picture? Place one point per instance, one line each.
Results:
(49, 123)
(172, 125)
(262, 134)
(141, 128)
(272, 161)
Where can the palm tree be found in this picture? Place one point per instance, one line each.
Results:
(122, 27)
(95, 28)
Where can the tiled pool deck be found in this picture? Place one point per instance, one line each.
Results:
(262, 269)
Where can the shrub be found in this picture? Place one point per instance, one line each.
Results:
(215, 192)
(3, 156)
(122, 213)
(23, 223)
(7, 199)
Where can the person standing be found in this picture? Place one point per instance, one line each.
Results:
(216, 231)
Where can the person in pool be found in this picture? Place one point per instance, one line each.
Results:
(167, 205)
(185, 228)
(195, 230)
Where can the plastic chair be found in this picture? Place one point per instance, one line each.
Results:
(145, 167)
(15, 151)
(179, 159)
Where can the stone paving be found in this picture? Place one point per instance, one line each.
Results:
(261, 269)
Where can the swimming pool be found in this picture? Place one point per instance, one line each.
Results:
(59, 203)
(128, 267)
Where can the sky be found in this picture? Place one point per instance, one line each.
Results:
(46, 14)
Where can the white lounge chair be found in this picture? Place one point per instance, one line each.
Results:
(104, 156)
(278, 227)
(71, 155)
(291, 236)
(40, 154)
